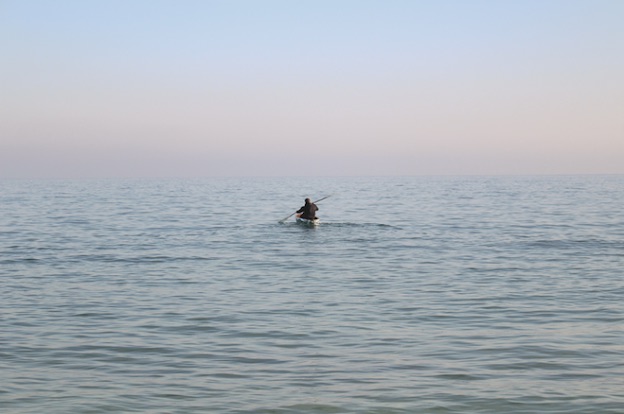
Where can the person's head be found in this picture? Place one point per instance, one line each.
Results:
(307, 201)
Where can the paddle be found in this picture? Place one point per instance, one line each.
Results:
(286, 218)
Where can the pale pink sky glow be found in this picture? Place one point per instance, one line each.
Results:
(151, 88)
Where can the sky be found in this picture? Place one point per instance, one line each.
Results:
(150, 88)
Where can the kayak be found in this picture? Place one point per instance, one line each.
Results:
(307, 222)
(314, 222)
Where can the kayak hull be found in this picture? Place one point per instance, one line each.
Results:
(306, 222)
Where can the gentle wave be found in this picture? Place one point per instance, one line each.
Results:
(495, 295)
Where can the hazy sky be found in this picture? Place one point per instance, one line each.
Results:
(340, 87)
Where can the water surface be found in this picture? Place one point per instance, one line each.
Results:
(414, 295)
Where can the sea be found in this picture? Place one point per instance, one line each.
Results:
(470, 294)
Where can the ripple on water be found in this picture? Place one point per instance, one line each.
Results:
(165, 296)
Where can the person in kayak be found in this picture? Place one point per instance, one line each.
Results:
(308, 211)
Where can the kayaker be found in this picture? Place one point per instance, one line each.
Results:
(308, 211)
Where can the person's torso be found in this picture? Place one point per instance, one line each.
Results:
(309, 210)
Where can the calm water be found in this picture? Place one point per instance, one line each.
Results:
(415, 295)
